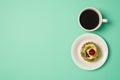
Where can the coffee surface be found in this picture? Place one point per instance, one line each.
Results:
(89, 19)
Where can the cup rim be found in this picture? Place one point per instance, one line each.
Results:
(100, 18)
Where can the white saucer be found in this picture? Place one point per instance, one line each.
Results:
(76, 47)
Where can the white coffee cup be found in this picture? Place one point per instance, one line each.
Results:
(85, 19)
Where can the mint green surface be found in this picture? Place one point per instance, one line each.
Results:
(36, 38)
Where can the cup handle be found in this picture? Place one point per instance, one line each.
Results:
(104, 20)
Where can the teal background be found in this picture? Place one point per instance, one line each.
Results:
(36, 38)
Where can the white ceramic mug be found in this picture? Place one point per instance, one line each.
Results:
(101, 20)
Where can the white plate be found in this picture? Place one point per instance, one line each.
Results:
(76, 47)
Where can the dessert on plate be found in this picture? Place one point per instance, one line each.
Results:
(90, 51)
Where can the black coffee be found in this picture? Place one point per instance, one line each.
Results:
(89, 19)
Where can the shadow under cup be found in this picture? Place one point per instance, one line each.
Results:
(90, 19)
